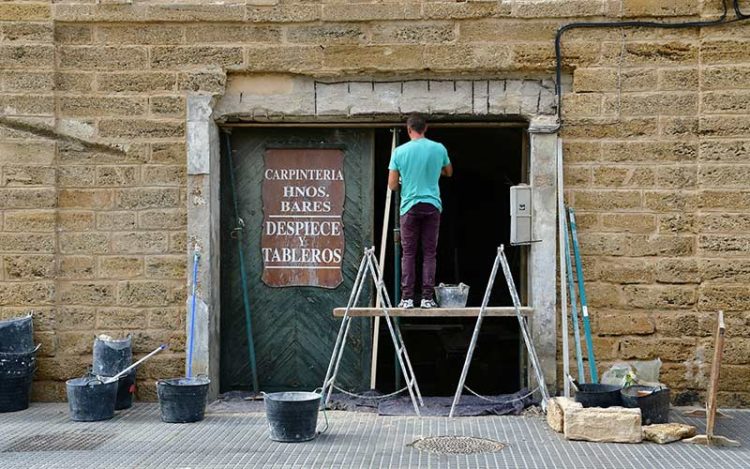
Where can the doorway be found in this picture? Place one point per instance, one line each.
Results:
(475, 221)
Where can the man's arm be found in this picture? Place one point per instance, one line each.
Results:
(447, 170)
(393, 176)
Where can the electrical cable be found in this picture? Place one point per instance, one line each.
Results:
(739, 16)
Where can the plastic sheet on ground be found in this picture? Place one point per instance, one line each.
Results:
(506, 404)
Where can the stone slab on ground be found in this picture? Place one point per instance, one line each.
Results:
(663, 433)
(610, 425)
(556, 408)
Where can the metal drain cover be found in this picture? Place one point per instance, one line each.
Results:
(64, 441)
(457, 445)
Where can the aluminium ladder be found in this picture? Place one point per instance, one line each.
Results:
(369, 263)
(501, 260)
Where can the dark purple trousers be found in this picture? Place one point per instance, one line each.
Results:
(420, 224)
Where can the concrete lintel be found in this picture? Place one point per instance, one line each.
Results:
(203, 209)
(544, 125)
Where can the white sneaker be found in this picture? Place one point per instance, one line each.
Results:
(428, 304)
(406, 304)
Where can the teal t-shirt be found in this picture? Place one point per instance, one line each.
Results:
(419, 163)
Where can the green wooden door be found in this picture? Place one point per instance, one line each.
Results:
(294, 331)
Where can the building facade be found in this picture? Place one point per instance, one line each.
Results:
(122, 120)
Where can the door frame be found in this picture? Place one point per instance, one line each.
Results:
(205, 115)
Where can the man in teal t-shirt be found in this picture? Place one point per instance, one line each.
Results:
(419, 163)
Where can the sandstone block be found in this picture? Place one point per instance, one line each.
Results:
(75, 342)
(724, 200)
(87, 293)
(17, 11)
(729, 51)
(137, 81)
(465, 10)
(606, 199)
(167, 106)
(241, 33)
(122, 318)
(724, 176)
(650, 104)
(605, 128)
(116, 175)
(166, 318)
(84, 198)
(73, 34)
(678, 271)
(723, 245)
(23, 56)
(116, 221)
(72, 12)
(77, 267)
(29, 152)
(120, 267)
(147, 198)
(582, 105)
(27, 32)
(552, 8)
(581, 151)
(722, 151)
(27, 293)
(166, 266)
(611, 425)
(158, 34)
(672, 52)
(210, 82)
(422, 33)
(69, 220)
(734, 377)
(663, 433)
(649, 152)
(85, 106)
(670, 201)
(16, 104)
(726, 77)
(724, 297)
(30, 220)
(164, 219)
(660, 8)
(77, 176)
(140, 128)
(677, 349)
(499, 29)
(653, 296)
(168, 153)
(178, 243)
(623, 323)
(27, 242)
(614, 176)
(595, 79)
(139, 242)
(76, 318)
(629, 222)
(103, 58)
(177, 56)
(145, 293)
(73, 81)
(29, 267)
(677, 223)
(678, 79)
(48, 391)
(556, 409)
(84, 243)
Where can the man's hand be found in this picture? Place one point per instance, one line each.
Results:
(393, 177)
(447, 171)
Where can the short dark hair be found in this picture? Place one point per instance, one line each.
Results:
(417, 123)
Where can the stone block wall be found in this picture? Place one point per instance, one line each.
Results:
(93, 168)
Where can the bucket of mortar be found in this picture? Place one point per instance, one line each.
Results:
(111, 356)
(292, 416)
(182, 400)
(652, 400)
(17, 335)
(90, 399)
(452, 296)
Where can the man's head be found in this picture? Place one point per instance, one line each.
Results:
(416, 123)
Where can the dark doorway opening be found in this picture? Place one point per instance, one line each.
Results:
(475, 221)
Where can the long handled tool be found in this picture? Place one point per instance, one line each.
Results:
(127, 370)
(582, 292)
(191, 326)
(381, 266)
(238, 235)
(573, 305)
(563, 276)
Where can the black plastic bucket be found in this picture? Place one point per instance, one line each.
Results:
(17, 364)
(15, 391)
(90, 399)
(111, 356)
(17, 335)
(182, 400)
(598, 395)
(292, 416)
(654, 405)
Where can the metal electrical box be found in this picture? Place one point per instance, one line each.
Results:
(520, 214)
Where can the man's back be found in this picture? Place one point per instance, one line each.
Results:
(419, 162)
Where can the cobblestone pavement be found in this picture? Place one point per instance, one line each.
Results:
(43, 436)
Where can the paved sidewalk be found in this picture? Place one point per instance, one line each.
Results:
(43, 436)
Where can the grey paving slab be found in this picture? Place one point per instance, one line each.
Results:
(136, 438)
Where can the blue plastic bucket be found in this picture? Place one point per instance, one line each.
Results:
(292, 416)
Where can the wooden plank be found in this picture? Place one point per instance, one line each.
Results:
(713, 386)
(503, 311)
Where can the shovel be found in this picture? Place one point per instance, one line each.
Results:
(107, 380)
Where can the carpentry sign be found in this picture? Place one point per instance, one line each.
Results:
(302, 243)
